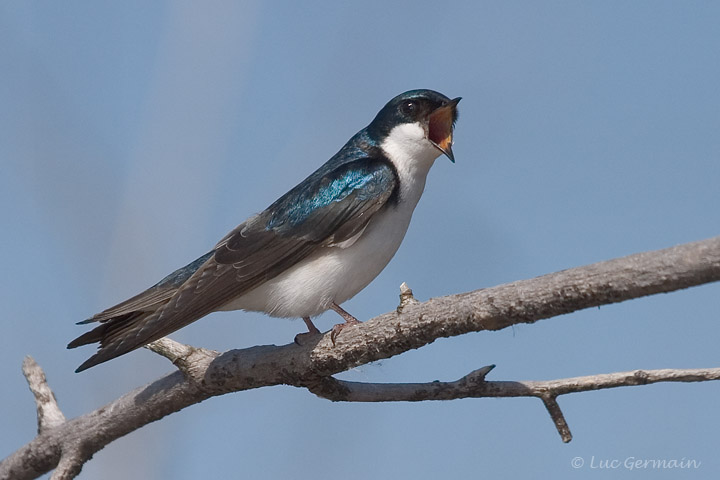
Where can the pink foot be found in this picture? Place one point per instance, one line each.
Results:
(349, 320)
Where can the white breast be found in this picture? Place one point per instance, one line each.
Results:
(338, 273)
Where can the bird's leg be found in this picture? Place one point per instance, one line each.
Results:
(349, 320)
(310, 326)
(312, 330)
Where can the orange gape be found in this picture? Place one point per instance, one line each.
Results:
(441, 126)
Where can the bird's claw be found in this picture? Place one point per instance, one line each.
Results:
(336, 329)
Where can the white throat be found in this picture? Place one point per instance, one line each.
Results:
(408, 148)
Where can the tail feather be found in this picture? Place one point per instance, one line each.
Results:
(112, 335)
(102, 332)
(121, 328)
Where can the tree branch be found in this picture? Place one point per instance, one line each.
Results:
(48, 411)
(474, 385)
(205, 373)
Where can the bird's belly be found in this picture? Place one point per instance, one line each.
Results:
(332, 274)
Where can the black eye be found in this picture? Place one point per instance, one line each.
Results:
(408, 108)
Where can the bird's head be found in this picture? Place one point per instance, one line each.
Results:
(417, 120)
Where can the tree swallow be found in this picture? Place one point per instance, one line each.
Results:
(314, 248)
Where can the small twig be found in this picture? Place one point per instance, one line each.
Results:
(170, 349)
(184, 357)
(49, 414)
(406, 297)
(68, 467)
(557, 416)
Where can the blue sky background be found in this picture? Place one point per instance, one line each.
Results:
(134, 135)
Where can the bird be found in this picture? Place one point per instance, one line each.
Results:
(314, 248)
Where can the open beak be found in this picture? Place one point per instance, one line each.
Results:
(440, 127)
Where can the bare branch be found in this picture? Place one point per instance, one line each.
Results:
(471, 385)
(474, 385)
(48, 411)
(206, 373)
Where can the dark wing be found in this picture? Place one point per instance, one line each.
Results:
(327, 208)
